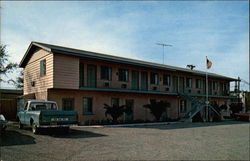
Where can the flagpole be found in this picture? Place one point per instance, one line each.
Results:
(206, 93)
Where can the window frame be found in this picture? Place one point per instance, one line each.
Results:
(189, 83)
(199, 84)
(89, 103)
(42, 67)
(68, 99)
(166, 80)
(215, 85)
(154, 78)
(108, 74)
(115, 98)
(121, 77)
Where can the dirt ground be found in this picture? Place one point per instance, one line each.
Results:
(181, 141)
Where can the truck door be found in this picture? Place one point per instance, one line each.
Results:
(27, 114)
(22, 113)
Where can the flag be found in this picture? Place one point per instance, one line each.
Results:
(209, 64)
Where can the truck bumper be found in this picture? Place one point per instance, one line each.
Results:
(51, 126)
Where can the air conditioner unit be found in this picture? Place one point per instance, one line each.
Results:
(106, 84)
(124, 86)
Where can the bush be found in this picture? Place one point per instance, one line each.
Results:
(157, 108)
(236, 107)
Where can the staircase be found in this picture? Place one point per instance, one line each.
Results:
(197, 106)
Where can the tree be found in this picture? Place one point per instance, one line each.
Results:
(157, 108)
(115, 111)
(5, 66)
(19, 80)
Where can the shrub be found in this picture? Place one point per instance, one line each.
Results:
(157, 108)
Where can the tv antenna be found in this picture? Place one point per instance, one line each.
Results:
(163, 46)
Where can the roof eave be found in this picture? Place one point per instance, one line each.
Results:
(137, 64)
(24, 61)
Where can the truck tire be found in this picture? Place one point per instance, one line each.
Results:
(34, 128)
(20, 125)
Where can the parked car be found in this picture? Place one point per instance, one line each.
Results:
(3, 123)
(45, 114)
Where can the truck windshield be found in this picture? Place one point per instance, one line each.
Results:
(42, 106)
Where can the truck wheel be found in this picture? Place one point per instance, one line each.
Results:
(20, 125)
(34, 128)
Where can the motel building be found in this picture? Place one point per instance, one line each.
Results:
(84, 81)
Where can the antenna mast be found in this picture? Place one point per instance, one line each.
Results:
(163, 45)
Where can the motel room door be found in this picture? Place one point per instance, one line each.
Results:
(175, 84)
(135, 80)
(181, 84)
(144, 81)
(91, 80)
(129, 114)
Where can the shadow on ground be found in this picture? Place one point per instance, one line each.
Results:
(182, 125)
(14, 132)
(10, 138)
(72, 134)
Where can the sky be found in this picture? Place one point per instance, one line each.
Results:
(195, 29)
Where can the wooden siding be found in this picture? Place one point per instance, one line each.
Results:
(32, 73)
(66, 72)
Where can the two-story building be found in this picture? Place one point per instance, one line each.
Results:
(84, 81)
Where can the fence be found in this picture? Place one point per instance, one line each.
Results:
(8, 103)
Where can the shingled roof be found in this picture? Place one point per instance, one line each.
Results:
(111, 58)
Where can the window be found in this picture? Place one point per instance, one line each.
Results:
(87, 106)
(225, 87)
(43, 106)
(43, 67)
(154, 78)
(166, 79)
(189, 82)
(215, 85)
(183, 106)
(106, 73)
(81, 75)
(68, 104)
(115, 101)
(198, 83)
(123, 75)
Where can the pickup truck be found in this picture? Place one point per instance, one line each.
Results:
(45, 114)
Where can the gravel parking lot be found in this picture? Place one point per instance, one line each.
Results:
(181, 141)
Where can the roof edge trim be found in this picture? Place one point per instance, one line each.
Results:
(28, 54)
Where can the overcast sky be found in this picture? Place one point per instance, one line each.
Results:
(196, 29)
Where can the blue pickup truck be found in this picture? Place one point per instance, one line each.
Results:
(45, 114)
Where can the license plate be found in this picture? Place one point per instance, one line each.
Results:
(53, 123)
